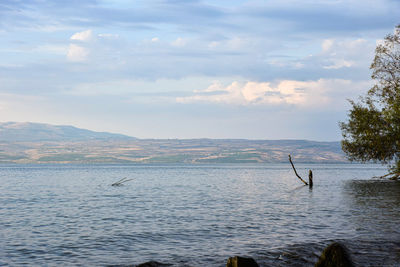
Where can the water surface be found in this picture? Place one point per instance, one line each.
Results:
(194, 215)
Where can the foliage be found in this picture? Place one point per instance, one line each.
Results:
(372, 131)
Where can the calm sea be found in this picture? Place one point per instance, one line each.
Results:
(195, 215)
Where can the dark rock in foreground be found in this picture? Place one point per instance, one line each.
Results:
(335, 255)
(241, 262)
(153, 264)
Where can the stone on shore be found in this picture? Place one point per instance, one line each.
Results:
(335, 255)
(241, 262)
(153, 264)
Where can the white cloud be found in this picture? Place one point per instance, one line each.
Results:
(345, 53)
(327, 45)
(179, 42)
(380, 42)
(84, 36)
(233, 44)
(249, 93)
(155, 39)
(213, 44)
(236, 43)
(108, 36)
(77, 53)
(339, 63)
(308, 94)
(286, 64)
(135, 87)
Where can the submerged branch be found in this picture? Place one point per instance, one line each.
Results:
(390, 176)
(120, 182)
(298, 176)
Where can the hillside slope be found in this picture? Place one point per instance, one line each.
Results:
(32, 132)
(44, 143)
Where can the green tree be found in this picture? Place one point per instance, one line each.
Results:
(372, 132)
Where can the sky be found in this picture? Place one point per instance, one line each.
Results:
(276, 69)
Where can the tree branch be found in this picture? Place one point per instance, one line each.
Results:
(390, 176)
(298, 176)
(120, 182)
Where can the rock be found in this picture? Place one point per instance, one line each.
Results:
(153, 264)
(241, 262)
(335, 255)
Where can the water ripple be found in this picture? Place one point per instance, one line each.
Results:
(191, 215)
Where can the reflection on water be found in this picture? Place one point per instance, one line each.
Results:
(375, 207)
(193, 215)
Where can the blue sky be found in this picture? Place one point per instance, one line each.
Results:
(190, 69)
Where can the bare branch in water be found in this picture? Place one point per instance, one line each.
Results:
(390, 176)
(120, 182)
(298, 176)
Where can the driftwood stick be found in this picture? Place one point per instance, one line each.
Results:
(310, 181)
(298, 176)
(391, 175)
(120, 182)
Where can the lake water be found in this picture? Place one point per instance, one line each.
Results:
(195, 215)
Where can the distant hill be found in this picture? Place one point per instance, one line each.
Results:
(33, 132)
(45, 143)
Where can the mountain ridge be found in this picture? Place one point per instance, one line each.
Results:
(30, 132)
(45, 143)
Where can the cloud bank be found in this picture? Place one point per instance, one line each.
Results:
(305, 94)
